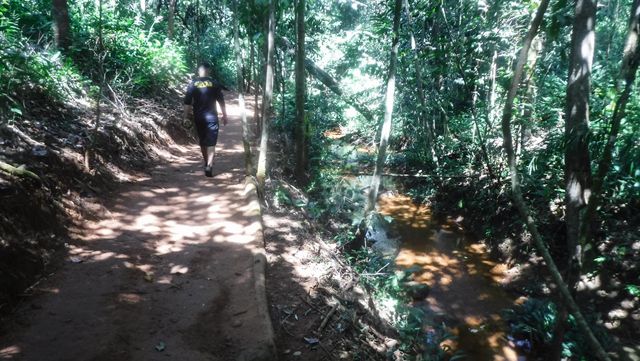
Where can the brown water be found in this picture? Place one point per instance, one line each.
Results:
(465, 283)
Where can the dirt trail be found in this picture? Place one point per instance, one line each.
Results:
(165, 275)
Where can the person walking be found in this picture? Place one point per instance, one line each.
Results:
(200, 100)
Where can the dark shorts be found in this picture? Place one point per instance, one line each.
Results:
(207, 128)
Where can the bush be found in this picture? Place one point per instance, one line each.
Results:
(136, 60)
(27, 67)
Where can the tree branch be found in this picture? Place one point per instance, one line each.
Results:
(326, 79)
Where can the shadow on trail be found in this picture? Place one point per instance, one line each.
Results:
(166, 273)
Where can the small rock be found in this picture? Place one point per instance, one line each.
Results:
(236, 323)
(297, 353)
(287, 351)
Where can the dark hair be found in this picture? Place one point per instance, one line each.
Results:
(205, 65)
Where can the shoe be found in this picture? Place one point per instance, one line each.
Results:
(208, 172)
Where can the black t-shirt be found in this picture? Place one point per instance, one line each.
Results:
(203, 93)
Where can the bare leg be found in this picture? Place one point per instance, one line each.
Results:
(204, 154)
(211, 153)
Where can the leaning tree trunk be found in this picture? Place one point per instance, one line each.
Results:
(61, 27)
(388, 112)
(267, 97)
(518, 199)
(301, 134)
(240, 85)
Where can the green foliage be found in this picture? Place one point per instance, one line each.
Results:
(535, 321)
(29, 69)
(136, 59)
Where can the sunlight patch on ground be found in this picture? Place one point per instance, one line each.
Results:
(130, 298)
(10, 353)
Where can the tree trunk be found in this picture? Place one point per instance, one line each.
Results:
(240, 85)
(577, 162)
(301, 134)
(90, 149)
(388, 112)
(628, 72)
(518, 199)
(577, 168)
(267, 97)
(61, 23)
(171, 19)
(251, 65)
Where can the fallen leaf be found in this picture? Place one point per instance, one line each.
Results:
(311, 340)
(160, 346)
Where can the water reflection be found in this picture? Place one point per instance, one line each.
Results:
(465, 283)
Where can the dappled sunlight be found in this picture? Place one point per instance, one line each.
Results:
(10, 353)
(130, 298)
(171, 250)
(464, 281)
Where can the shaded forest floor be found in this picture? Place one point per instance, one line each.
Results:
(50, 141)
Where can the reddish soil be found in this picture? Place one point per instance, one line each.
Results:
(166, 274)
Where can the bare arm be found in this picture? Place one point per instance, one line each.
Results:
(188, 103)
(224, 111)
(220, 100)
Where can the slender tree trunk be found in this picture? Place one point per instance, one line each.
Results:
(250, 79)
(519, 201)
(474, 116)
(420, 85)
(388, 112)
(90, 150)
(267, 96)
(283, 85)
(530, 91)
(256, 103)
(301, 134)
(492, 116)
(61, 23)
(628, 72)
(171, 19)
(240, 84)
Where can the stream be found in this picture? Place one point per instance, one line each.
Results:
(465, 284)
